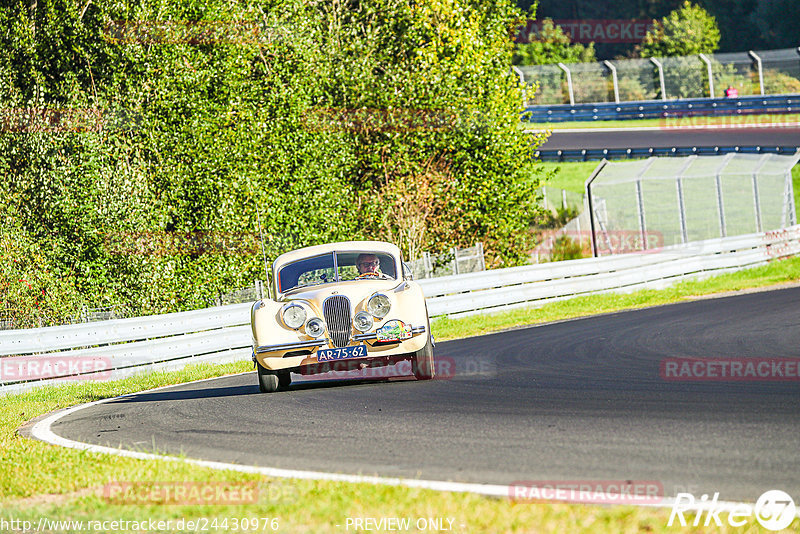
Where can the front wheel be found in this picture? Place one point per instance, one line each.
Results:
(422, 362)
(270, 381)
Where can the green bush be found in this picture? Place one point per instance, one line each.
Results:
(323, 126)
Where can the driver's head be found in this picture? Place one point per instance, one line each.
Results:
(367, 263)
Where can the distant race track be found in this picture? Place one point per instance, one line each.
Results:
(575, 400)
(672, 137)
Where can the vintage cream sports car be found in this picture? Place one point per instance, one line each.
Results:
(340, 306)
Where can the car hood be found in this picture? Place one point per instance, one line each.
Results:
(355, 290)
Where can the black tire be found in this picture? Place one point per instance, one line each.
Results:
(422, 364)
(284, 379)
(268, 380)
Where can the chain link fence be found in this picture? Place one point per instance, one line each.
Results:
(647, 204)
(455, 261)
(766, 72)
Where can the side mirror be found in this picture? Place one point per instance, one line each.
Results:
(408, 274)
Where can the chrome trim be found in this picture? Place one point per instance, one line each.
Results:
(338, 319)
(364, 337)
(293, 345)
(288, 305)
(415, 330)
(324, 327)
(375, 294)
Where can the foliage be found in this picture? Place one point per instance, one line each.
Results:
(566, 248)
(550, 46)
(685, 31)
(312, 127)
(777, 82)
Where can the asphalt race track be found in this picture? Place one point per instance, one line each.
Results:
(577, 400)
(673, 137)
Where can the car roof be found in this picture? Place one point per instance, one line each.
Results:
(342, 246)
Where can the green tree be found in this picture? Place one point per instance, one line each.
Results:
(323, 127)
(550, 46)
(686, 31)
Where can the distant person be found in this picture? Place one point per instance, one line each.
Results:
(731, 92)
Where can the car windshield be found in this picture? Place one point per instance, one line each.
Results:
(337, 267)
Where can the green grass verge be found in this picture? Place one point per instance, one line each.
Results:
(733, 121)
(43, 481)
(570, 176)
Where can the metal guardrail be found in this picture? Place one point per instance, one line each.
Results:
(124, 347)
(660, 109)
(501, 289)
(590, 154)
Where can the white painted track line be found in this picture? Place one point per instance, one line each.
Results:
(42, 431)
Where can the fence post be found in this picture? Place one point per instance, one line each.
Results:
(588, 186)
(640, 203)
(720, 205)
(681, 203)
(614, 80)
(710, 74)
(760, 72)
(756, 199)
(569, 84)
(660, 67)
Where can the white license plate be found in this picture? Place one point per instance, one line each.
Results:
(342, 353)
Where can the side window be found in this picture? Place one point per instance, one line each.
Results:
(408, 274)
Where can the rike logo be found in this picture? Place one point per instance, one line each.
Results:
(774, 510)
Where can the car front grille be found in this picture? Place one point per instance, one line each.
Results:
(337, 315)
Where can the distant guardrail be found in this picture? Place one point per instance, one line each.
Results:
(118, 348)
(663, 109)
(589, 154)
(501, 289)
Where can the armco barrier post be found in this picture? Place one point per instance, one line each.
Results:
(569, 84)
(707, 61)
(760, 70)
(660, 67)
(591, 178)
(613, 70)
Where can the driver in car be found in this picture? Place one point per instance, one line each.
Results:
(369, 265)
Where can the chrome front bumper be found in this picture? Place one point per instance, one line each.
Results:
(316, 343)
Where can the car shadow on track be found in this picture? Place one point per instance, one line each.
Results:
(234, 391)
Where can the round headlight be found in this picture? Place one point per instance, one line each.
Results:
(315, 327)
(363, 321)
(294, 316)
(379, 305)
